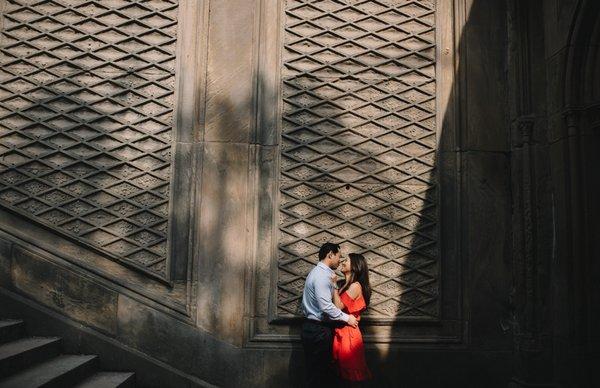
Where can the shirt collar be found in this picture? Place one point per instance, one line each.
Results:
(322, 265)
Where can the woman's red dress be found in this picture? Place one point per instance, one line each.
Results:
(348, 347)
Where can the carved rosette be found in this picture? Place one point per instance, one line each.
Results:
(358, 149)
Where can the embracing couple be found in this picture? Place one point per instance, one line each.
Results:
(332, 341)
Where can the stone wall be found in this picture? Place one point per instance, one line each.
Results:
(169, 168)
(87, 123)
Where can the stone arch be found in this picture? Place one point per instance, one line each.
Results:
(576, 194)
(582, 66)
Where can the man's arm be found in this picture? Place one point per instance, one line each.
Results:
(323, 294)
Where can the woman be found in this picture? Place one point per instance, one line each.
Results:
(353, 297)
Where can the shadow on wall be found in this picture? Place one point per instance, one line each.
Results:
(223, 222)
(477, 148)
(370, 148)
(372, 153)
(574, 160)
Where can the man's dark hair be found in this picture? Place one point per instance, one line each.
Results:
(328, 248)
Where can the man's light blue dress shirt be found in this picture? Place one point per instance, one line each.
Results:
(316, 298)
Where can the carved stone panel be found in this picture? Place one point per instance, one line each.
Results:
(358, 147)
(86, 116)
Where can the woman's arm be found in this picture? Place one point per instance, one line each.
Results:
(337, 301)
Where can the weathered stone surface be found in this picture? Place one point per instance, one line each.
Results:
(188, 161)
(62, 290)
(181, 345)
(224, 243)
(450, 245)
(82, 339)
(154, 333)
(262, 263)
(460, 369)
(485, 43)
(369, 99)
(5, 263)
(229, 89)
(554, 74)
(22, 233)
(487, 240)
(358, 148)
(86, 141)
(558, 19)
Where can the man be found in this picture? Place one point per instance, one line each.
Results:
(321, 318)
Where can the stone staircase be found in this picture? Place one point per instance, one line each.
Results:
(28, 362)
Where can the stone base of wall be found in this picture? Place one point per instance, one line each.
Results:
(131, 331)
(276, 368)
(79, 339)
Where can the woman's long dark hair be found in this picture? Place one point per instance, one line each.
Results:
(360, 273)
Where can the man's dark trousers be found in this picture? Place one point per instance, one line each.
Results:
(317, 340)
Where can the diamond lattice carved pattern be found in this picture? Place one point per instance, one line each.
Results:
(86, 116)
(358, 148)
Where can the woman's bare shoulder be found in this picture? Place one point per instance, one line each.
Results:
(355, 290)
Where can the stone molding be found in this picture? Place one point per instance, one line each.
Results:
(265, 326)
(180, 62)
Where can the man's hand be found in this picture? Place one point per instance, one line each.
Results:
(352, 321)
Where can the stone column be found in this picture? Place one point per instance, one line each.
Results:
(532, 349)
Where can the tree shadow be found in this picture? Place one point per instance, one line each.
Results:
(358, 167)
(362, 165)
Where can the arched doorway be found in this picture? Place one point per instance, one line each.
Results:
(577, 192)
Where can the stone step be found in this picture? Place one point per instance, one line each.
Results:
(25, 352)
(11, 329)
(59, 372)
(109, 380)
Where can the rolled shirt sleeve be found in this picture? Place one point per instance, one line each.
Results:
(323, 289)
